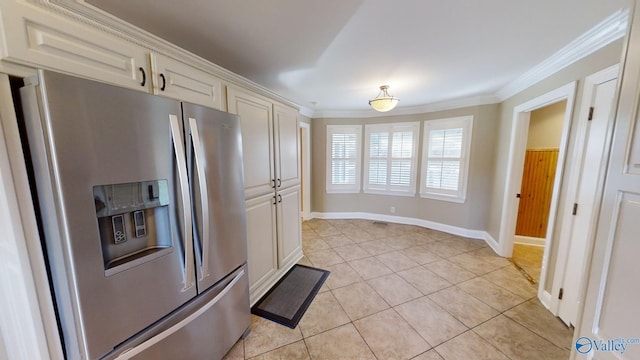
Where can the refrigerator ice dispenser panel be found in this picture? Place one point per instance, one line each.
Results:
(133, 219)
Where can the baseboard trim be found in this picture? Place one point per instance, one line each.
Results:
(455, 230)
(528, 240)
(493, 244)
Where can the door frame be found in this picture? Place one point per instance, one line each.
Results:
(574, 181)
(305, 157)
(515, 167)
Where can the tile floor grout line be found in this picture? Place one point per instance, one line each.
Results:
(401, 230)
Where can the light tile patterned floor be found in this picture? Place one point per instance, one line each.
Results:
(406, 292)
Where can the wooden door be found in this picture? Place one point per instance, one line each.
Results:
(535, 193)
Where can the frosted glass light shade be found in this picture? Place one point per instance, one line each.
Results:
(383, 102)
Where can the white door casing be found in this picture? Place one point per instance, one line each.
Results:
(305, 159)
(515, 165)
(585, 186)
(611, 309)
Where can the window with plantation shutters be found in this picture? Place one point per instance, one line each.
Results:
(445, 158)
(343, 158)
(390, 158)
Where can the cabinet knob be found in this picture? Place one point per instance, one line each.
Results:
(273, 183)
(279, 183)
(144, 77)
(274, 200)
(279, 198)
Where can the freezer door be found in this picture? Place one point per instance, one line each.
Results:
(216, 174)
(204, 329)
(110, 171)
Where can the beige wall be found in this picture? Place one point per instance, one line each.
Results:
(597, 61)
(489, 154)
(470, 215)
(545, 126)
(605, 57)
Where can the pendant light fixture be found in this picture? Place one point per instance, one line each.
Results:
(383, 102)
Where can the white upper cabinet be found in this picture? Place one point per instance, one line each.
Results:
(287, 135)
(270, 142)
(257, 140)
(55, 43)
(175, 79)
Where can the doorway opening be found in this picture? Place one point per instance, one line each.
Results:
(540, 166)
(515, 167)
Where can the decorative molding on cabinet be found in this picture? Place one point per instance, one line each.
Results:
(181, 81)
(79, 11)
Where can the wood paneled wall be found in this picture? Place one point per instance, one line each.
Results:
(535, 192)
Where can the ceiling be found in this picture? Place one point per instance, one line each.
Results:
(332, 55)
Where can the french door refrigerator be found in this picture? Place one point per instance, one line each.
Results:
(141, 207)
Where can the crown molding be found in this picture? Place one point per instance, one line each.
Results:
(610, 29)
(80, 11)
(411, 110)
(305, 111)
(604, 33)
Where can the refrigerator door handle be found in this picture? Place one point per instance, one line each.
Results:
(204, 198)
(128, 354)
(176, 135)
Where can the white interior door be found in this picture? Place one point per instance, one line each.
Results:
(611, 313)
(597, 102)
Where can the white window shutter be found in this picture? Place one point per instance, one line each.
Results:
(445, 158)
(390, 158)
(343, 158)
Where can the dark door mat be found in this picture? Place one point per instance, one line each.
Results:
(290, 297)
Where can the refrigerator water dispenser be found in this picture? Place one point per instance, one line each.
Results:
(134, 223)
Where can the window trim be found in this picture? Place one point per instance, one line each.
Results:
(389, 189)
(342, 188)
(466, 122)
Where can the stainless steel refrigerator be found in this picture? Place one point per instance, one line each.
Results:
(141, 207)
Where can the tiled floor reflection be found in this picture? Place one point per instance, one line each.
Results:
(529, 258)
(406, 292)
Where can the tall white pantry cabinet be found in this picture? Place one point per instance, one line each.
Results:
(72, 37)
(271, 144)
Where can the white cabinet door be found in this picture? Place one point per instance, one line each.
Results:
(287, 134)
(47, 41)
(261, 240)
(289, 226)
(257, 140)
(178, 80)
